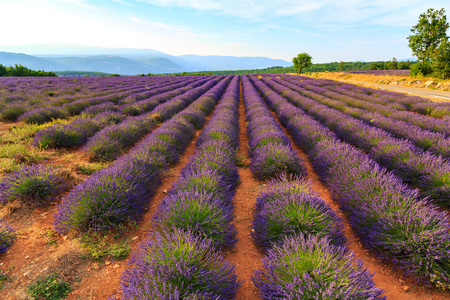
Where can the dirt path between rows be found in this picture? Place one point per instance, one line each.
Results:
(245, 255)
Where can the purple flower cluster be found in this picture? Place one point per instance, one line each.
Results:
(77, 132)
(181, 260)
(269, 147)
(42, 115)
(426, 139)
(159, 96)
(387, 215)
(288, 208)
(36, 184)
(389, 104)
(99, 108)
(110, 142)
(303, 237)
(311, 267)
(7, 236)
(169, 108)
(429, 172)
(200, 201)
(121, 192)
(179, 265)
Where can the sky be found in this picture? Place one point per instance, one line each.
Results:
(329, 30)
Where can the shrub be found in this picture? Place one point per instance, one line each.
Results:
(312, 268)
(12, 112)
(7, 235)
(289, 209)
(42, 115)
(111, 196)
(179, 265)
(274, 159)
(200, 213)
(36, 184)
(205, 179)
(50, 288)
(421, 68)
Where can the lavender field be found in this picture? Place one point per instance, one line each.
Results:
(92, 156)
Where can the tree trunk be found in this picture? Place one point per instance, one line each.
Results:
(299, 71)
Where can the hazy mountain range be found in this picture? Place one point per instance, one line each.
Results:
(123, 61)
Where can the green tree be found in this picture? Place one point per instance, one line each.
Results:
(302, 60)
(428, 34)
(3, 70)
(393, 64)
(442, 60)
(341, 66)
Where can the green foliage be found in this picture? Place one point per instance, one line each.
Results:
(50, 288)
(89, 168)
(21, 71)
(428, 34)
(393, 64)
(99, 246)
(442, 61)
(3, 279)
(302, 60)
(421, 69)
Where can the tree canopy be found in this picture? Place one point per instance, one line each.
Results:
(302, 60)
(21, 71)
(428, 34)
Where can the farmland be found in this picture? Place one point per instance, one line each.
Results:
(222, 187)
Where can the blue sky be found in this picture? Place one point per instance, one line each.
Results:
(348, 30)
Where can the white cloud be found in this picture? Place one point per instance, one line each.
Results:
(323, 12)
(169, 28)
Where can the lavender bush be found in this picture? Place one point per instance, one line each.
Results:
(7, 236)
(35, 184)
(290, 208)
(201, 213)
(313, 268)
(178, 265)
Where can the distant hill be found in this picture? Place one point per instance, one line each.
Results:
(124, 61)
(115, 65)
(32, 62)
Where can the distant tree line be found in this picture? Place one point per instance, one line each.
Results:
(330, 67)
(21, 71)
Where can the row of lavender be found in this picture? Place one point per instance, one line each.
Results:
(395, 100)
(182, 259)
(121, 192)
(438, 142)
(389, 104)
(422, 169)
(40, 106)
(388, 216)
(107, 140)
(302, 237)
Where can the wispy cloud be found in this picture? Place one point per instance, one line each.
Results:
(78, 3)
(171, 28)
(123, 2)
(345, 12)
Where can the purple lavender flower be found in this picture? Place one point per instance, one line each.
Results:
(200, 213)
(290, 208)
(274, 159)
(179, 265)
(36, 184)
(312, 268)
(7, 236)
